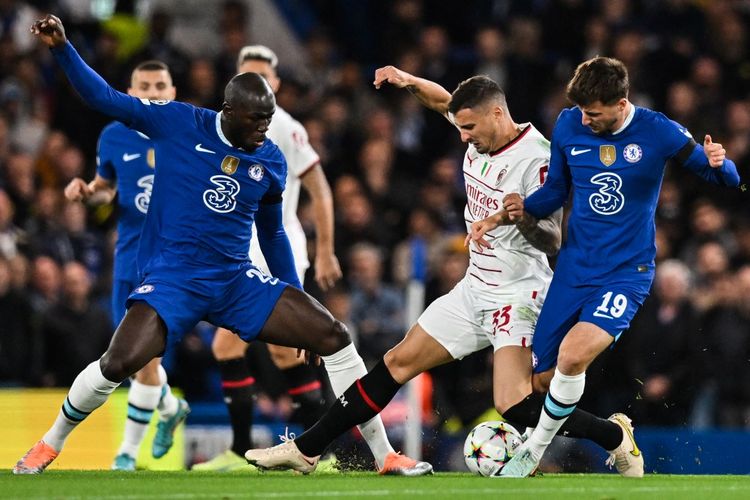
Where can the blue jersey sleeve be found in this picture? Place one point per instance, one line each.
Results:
(104, 166)
(274, 242)
(554, 192)
(139, 114)
(691, 155)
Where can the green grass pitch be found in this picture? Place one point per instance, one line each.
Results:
(190, 485)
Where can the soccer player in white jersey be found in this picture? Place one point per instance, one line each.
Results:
(304, 169)
(498, 300)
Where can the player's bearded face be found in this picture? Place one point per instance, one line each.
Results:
(603, 118)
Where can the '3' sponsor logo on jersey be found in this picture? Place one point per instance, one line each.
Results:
(223, 199)
(144, 198)
(608, 200)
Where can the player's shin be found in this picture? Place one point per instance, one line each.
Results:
(306, 392)
(168, 402)
(361, 402)
(238, 388)
(89, 391)
(564, 393)
(142, 401)
(580, 423)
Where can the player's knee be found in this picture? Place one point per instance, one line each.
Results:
(400, 365)
(336, 339)
(114, 368)
(539, 383)
(226, 345)
(571, 362)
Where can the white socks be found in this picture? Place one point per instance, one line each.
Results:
(142, 401)
(564, 393)
(89, 391)
(168, 403)
(344, 368)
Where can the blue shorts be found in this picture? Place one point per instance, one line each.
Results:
(611, 307)
(121, 290)
(240, 301)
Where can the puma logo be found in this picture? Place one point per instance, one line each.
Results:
(343, 401)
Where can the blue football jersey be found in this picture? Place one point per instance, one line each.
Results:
(126, 158)
(206, 192)
(615, 180)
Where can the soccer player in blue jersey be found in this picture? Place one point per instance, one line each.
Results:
(125, 165)
(612, 155)
(217, 174)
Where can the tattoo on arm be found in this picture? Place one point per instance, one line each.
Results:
(412, 89)
(545, 234)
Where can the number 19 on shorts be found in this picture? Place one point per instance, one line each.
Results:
(612, 307)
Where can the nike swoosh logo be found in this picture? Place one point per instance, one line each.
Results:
(309, 461)
(199, 147)
(131, 157)
(635, 451)
(576, 152)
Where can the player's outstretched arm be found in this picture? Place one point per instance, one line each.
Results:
(96, 92)
(99, 191)
(429, 93)
(327, 267)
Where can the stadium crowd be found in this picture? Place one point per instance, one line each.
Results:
(395, 170)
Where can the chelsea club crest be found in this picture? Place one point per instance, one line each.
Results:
(632, 153)
(255, 172)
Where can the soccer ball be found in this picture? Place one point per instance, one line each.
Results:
(489, 446)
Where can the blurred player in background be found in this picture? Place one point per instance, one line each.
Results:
(498, 300)
(125, 165)
(303, 385)
(612, 155)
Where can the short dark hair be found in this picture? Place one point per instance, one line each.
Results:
(152, 65)
(600, 79)
(476, 91)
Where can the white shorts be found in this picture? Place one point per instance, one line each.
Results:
(298, 242)
(464, 322)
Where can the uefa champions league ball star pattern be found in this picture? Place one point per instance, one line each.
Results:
(489, 446)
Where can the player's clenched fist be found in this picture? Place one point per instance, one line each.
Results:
(50, 30)
(513, 204)
(392, 75)
(77, 190)
(715, 152)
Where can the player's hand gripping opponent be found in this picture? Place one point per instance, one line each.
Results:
(715, 152)
(512, 213)
(50, 31)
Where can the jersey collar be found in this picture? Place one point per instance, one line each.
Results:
(628, 119)
(220, 132)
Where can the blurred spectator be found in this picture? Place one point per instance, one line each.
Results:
(75, 331)
(17, 333)
(20, 185)
(665, 329)
(46, 282)
(728, 330)
(11, 237)
(377, 309)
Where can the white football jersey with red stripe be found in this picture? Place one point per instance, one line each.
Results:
(291, 138)
(519, 167)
